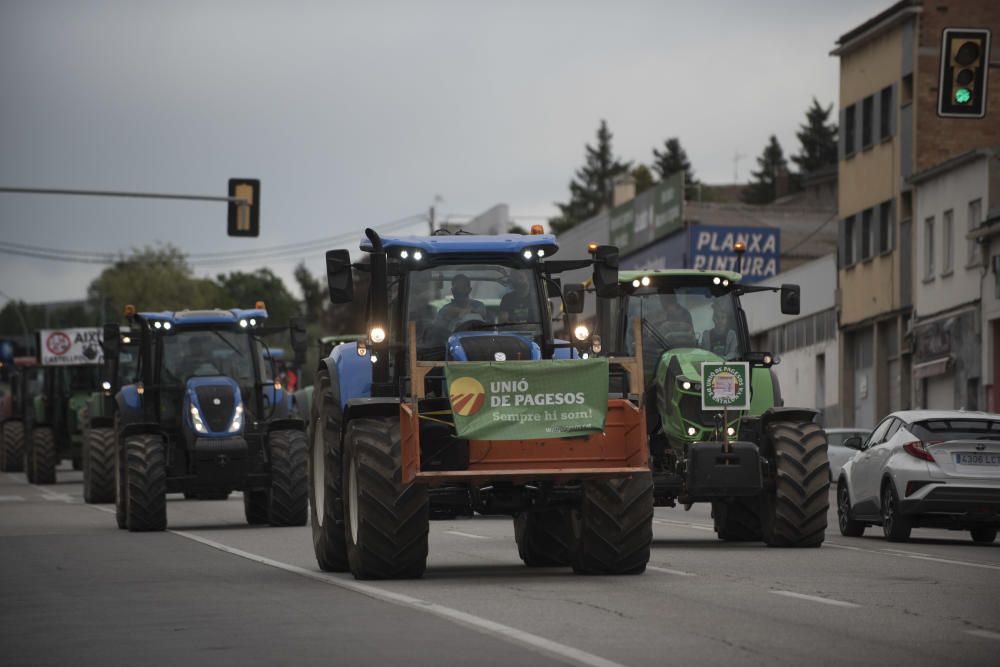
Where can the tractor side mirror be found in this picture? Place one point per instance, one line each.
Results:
(112, 345)
(790, 300)
(300, 340)
(606, 271)
(339, 276)
(573, 297)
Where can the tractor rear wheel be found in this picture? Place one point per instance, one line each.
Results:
(288, 497)
(42, 456)
(544, 537)
(121, 491)
(614, 526)
(145, 483)
(737, 520)
(793, 512)
(325, 455)
(387, 521)
(255, 504)
(99, 465)
(12, 447)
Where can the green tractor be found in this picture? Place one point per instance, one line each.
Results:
(25, 378)
(765, 469)
(98, 420)
(302, 398)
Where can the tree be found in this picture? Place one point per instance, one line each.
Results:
(818, 139)
(243, 290)
(313, 295)
(593, 188)
(672, 159)
(643, 178)
(516, 229)
(152, 279)
(763, 189)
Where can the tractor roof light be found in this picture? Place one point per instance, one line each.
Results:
(157, 324)
(540, 253)
(527, 255)
(243, 324)
(645, 281)
(417, 255)
(126, 340)
(167, 325)
(716, 280)
(404, 253)
(636, 283)
(253, 322)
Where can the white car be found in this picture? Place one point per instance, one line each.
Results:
(924, 469)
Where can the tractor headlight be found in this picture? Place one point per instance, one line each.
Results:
(199, 423)
(362, 348)
(692, 431)
(237, 423)
(686, 385)
(106, 386)
(731, 431)
(581, 333)
(377, 334)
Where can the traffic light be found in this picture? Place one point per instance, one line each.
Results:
(244, 218)
(965, 64)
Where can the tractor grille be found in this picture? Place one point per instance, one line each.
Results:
(691, 410)
(482, 348)
(217, 404)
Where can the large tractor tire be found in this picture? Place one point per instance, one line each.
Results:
(544, 537)
(286, 502)
(793, 512)
(12, 447)
(42, 456)
(614, 526)
(387, 521)
(325, 456)
(99, 465)
(121, 491)
(145, 483)
(737, 520)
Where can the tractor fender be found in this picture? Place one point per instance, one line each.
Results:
(139, 428)
(102, 422)
(129, 405)
(351, 374)
(787, 415)
(371, 407)
(286, 424)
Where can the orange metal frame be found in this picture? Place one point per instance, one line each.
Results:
(622, 449)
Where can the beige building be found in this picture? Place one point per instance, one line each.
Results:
(889, 130)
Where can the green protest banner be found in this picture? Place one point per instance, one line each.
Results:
(517, 400)
(725, 385)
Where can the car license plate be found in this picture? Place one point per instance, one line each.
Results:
(973, 459)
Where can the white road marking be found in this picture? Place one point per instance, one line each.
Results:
(547, 646)
(11, 499)
(986, 634)
(815, 598)
(683, 524)
(58, 497)
(667, 570)
(898, 553)
(469, 535)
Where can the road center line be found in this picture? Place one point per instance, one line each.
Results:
(469, 535)
(815, 598)
(986, 634)
(682, 524)
(667, 570)
(547, 646)
(11, 499)
(916, 556)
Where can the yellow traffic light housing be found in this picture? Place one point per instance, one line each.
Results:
(244, 207)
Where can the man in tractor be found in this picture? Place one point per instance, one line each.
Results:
(721, 338)
(516, 305)
(461, 308)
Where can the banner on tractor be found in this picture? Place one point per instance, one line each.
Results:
(725, 385)
(70, 347)
(522, 400)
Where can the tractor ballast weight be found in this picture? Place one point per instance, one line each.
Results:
(765, 470)
(384, 444)
(204, 416)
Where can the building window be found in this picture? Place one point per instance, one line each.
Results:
(929, 248)
(866, 234)
(885, 227)
(849, 241)
(849, 128)
(885, 112)
(974, 213)
(867, 118)
(947, 242)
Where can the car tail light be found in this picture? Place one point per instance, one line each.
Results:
(918, 450)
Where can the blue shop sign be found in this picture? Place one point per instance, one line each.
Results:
(713, 249)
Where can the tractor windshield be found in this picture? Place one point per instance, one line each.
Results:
(472, 297)
(690, 316)
(189, 354)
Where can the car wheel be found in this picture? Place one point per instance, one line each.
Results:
(895, 526)
(848, 526)
(984, 534)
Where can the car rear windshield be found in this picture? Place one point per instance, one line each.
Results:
(957, 429)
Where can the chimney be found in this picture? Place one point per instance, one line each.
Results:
(624, 189)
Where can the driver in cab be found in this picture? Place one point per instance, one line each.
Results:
(461, 308)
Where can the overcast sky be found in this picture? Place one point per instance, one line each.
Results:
(356, 114)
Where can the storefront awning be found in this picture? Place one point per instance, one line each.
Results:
(931, 368)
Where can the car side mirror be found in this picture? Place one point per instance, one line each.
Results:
(606, 271)
(111, 343)
(853, 442)
(790, 300)
(573, 297)
(300, 341)
(339, 276)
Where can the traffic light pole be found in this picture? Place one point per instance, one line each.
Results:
(239, 201)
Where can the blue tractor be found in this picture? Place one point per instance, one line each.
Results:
(204, 415)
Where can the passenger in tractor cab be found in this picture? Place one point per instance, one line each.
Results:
(516, 305)
(461, 308)
(721, 338)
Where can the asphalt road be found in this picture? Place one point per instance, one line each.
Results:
(76, 590)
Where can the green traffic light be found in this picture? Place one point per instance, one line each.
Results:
(962, 96)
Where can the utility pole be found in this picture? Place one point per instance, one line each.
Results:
(431, 214)
(737, 156)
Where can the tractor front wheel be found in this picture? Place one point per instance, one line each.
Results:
(387, 521)
(12, 447)
(99, 465)
(793, 511)
(325, 455)
(288, 502)
(145, 483)
(614, 526)
(42, 457)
